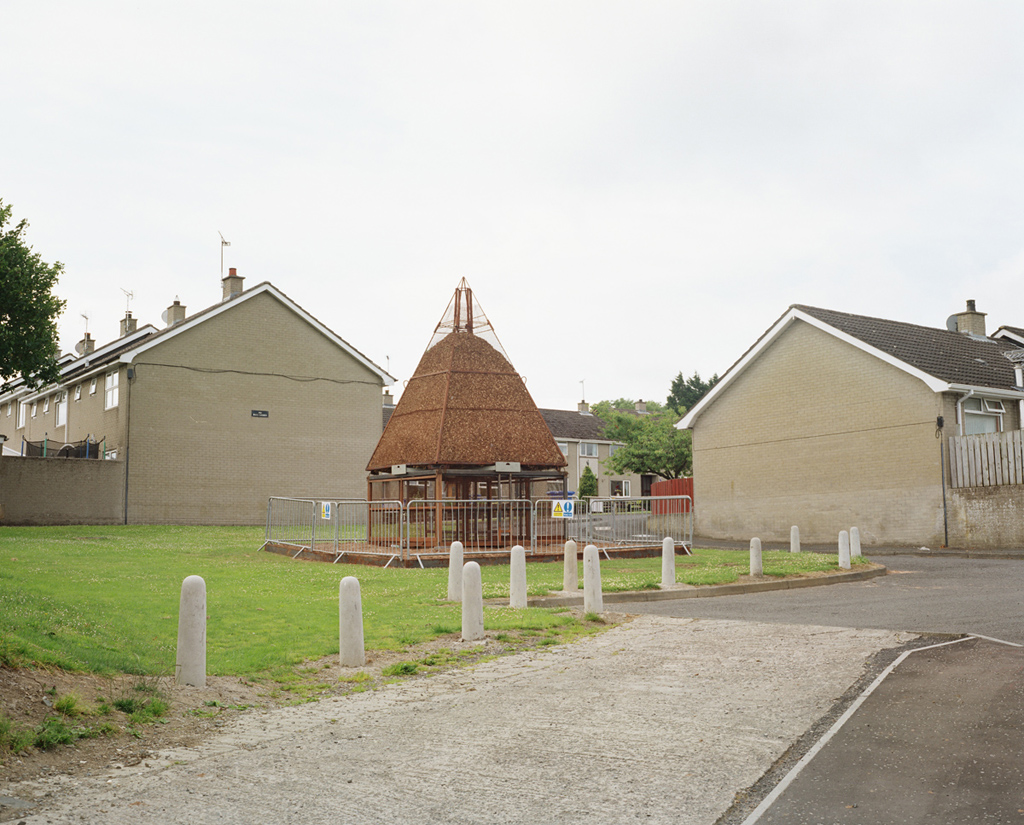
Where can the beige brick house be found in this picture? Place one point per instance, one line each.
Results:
(580, 436)
(250, 398)
(832, 420)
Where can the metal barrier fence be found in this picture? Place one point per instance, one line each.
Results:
(428, 527)
(482, 525)
(615, 522)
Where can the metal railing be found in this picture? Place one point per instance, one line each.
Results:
(423, 528)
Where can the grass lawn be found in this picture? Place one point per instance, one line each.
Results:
(105, 599)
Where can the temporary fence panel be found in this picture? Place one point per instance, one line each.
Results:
(482, 525)
(290, 522)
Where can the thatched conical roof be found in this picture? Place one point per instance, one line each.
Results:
(465, 405)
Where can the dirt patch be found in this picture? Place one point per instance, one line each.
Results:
(28, 696)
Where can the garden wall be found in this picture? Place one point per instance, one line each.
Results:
(39, 491)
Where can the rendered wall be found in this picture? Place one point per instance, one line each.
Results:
(822, 435)
(41, 491)
(983, 518)
(196, 453)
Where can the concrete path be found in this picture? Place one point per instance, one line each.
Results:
(658, 721)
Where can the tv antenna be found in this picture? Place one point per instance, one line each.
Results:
(86, 324)
(223, 243)
(583, 388)
(128, 300)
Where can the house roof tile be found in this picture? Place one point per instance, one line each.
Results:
(949, 356)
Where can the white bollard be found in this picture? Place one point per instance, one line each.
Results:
(844, 550)
(854, 542)
(351, 650)
(794, 539)
(593, 600)
(756, 568)
(668, 562)
(190, 665)
(455, 572)
(472, 603)
(517, 578)
(570, 569)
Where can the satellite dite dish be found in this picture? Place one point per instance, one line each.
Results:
(163, 316)
(951, 323)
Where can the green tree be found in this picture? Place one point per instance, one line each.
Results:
(28, 309)
(588, 484)
(686, 392)
(651, 443)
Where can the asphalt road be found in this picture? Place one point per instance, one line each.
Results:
(927, 595)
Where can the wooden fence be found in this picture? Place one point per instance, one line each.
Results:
(987, 460)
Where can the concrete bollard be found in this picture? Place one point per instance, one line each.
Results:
(844, 550)
(455, 572)
(854, 542)
(517, 578)
(190, 664)
(756, 568)
(794, 539)
(472, 603)
(570, 569)
(668, 562)
(593, 600)
(351, 650)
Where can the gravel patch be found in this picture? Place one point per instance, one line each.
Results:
(659, 720)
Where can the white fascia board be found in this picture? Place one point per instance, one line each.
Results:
(188, 324)
(1009, 336)
(780, 326)
(986, 392)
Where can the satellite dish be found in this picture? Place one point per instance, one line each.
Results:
(80, 347)
(951, 323)
(163, 316)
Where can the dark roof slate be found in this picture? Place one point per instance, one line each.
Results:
(949, 356)
(573, 424)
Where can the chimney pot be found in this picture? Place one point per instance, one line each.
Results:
(971, 322)
(86, 346)
(232, 284)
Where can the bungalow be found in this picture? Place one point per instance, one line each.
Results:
(831, 420)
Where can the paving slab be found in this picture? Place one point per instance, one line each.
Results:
(659, 720)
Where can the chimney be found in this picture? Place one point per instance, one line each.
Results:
(388, 400)
(175, 313)
(232, 284)
(971, 322)
(641, 406)
(86, 345)
(583, 408)
(128, 324)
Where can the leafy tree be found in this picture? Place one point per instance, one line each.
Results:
(588, 484)
(686, 392)
(652, 444)
(28, 309)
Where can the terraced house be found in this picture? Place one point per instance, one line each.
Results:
(199, 421)
(832, 420)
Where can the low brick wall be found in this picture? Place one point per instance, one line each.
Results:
(986, 518)
(38, 491)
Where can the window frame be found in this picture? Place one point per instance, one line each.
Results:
(60, 407)
(111, 390)
(585, 447)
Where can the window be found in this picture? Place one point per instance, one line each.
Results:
(614, 448)
(35, 404)
(62, 409)
(22, 410)
(620, 488)
(10, 404)
(111, 389)
(588, 449)
(111, 455)
(564, 447)
(982, 415)
(46, 404)
(78, 393)
(92, 387)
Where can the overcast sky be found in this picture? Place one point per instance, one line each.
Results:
(632, 189)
